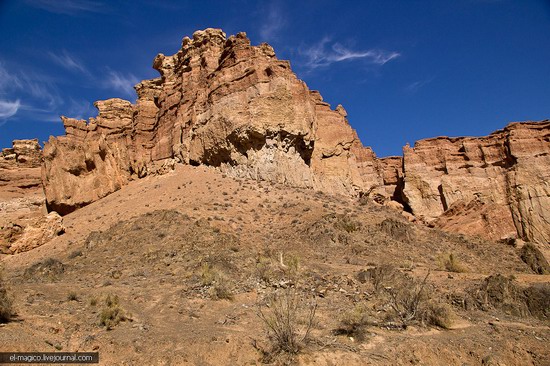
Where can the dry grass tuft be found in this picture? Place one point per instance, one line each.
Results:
(288, 319)
(112, 313)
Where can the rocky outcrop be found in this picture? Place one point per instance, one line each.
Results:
(21, 194)
(39, 232)
(224, 103)
(220, 102)
(20, 169)
(495, 186)
(23, 154)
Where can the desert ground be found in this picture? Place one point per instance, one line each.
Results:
(197, 268)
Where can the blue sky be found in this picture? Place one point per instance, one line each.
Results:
(403, 69)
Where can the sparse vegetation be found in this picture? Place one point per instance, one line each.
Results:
(353, 322)
(290, 265)
(439, 314)
(72, 296)
(452, 264)
(50, 269)
(503, 293)
(217, 283)
(263, 268)
(112, 313)
(408, 299)
(288, 319)
(93, 301)
(382, 276)
(347, 224)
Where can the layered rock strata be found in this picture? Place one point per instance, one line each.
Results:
(224, 103)
(220, 102)
(20, 169)
(22, 154)
(496, 185)
(21, 195)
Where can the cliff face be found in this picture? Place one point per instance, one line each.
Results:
(224, 103)
(20, 168)
(22, 154)
(495, 186)
(220, 102)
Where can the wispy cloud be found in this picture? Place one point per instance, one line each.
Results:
(80, 109)
(324, 54)
(30, 83)
(120, 82)
(8, 81)
(40, 87)
(69, 62)
(417, 85)
(69, 7)
(37, 89)
(8, 109)
(274, 22)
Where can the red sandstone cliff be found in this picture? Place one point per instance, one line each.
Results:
(224, 103)
(495, 185)
(220, 102)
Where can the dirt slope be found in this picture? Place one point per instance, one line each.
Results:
(190, 255)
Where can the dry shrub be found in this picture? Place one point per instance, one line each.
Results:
(439, 314)
(353, 322)
(409, 300)
(112, 313)
(397, 230)
(534, 258)
(382, 276)
(217, 283)
(6, 302)
(264, 268)
(500, 292)
(452, 264)
(288, 319)
(347, 224)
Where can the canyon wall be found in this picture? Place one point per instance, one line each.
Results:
(220, 102)
(496, 185)
(224, 103)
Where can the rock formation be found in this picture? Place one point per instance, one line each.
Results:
(39, 232)
(23, 154)
(220, 102)
(21, 194)
(495, 186)
(20, 168)
(224, 103)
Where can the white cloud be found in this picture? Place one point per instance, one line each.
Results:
(8, 109)
(321, 55)
(29, 83)
(68, 62)
(68, 7)
(121, 82)
(80, 109)
(8, 81)
(273, 24)
(417, 85)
